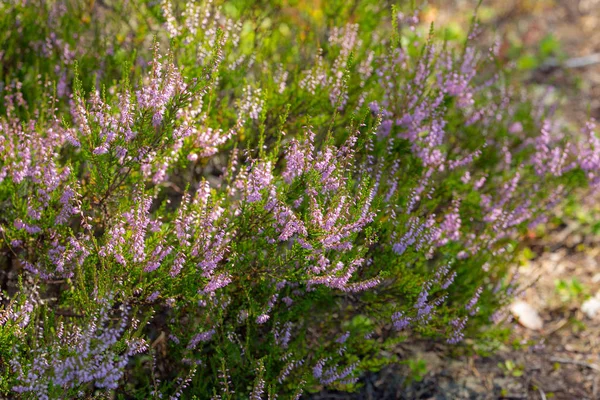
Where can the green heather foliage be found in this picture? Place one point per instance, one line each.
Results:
(254, 199)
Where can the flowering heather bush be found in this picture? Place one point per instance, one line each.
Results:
(238, 216)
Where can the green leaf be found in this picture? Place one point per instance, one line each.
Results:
(527, 62)
(549, 46)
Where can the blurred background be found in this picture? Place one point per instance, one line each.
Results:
(552, 42)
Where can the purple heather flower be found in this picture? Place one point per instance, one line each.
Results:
(261, 319)
(201, 337)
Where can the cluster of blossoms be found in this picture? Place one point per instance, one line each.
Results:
(87, 357)
(200, 196)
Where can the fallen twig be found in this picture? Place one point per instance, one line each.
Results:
(542, 394)
(576, 362)
(575, 62)
(556, 327)
(585, 61)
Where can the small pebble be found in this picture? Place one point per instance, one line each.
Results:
(591, 307)
(527, 315)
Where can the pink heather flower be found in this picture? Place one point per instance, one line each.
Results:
(414, 232)
(399, 321)
(471, 304)
(116, 239)
(261, 319)
(201, 337)
(67, 209)
(479, 184)
(342, 339)
(252, 103)
(334, 214)
(282, 336)
(286, 222)
(153, 297)
(318, 368)
(332, 375)
(449, 280)
(457, 335)
(515, 128)
(259, 179)
(259, 386)
(424, 308)
(450, 227)
(295, 156)
(216, 283)
(177, 264)
(466, 178)
(139, 220)
(158, 255)
(547, 159)
(164, 83)
(288, 369)
(90, 357)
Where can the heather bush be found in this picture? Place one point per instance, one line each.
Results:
(245, 200)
